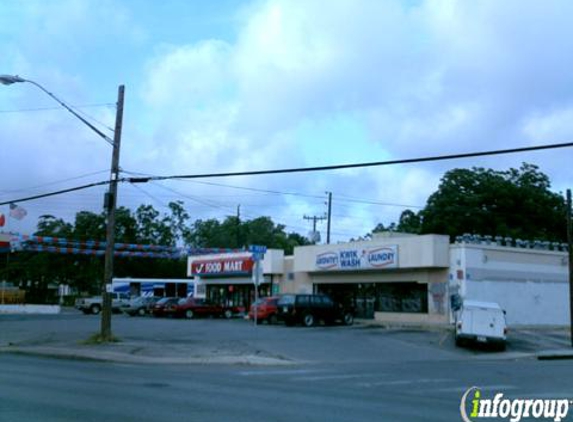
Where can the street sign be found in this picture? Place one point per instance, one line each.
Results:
(257, 249)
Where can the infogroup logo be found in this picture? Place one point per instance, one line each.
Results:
(474, 407)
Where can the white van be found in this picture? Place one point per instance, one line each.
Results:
(481, 322)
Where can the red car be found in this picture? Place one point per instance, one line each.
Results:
(266, 310)
(165, 307)
(192, 308)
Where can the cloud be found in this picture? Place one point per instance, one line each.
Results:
(303, 83)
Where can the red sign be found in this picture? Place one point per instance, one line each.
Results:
(222, 267)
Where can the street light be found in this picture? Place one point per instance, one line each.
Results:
(110, 196)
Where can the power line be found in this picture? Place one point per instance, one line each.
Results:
(145, 179)
(59, 192)
(360, 165)
(26, 110)
(54, 182)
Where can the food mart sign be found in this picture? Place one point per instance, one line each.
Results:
(222, 267)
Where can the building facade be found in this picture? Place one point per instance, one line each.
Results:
(530, 282)
(402, 278)
(229, 278)
(392, 278)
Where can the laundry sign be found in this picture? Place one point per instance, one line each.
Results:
(375, 257)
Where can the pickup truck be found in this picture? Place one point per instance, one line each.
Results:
(93, 305)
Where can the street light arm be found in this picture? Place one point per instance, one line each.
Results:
(9, 79)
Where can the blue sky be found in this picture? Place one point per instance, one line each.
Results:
(248, 85)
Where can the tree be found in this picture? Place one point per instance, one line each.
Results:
(515, 203)
(233, 233)
(410, 222)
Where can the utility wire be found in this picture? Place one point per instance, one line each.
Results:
(55, 182)
(145, 179)
(360, 165)
(26, 110)
(59, 192)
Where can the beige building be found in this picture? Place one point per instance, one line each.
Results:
(391, 278)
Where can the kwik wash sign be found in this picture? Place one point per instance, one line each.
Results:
(372, 258)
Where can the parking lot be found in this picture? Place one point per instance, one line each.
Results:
(363, 341)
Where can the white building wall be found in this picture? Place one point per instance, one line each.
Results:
(526, 302)
(530, 285)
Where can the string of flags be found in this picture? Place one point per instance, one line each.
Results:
(61, 245)
(98, 252)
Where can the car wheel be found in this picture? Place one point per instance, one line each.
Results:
(95, 309)
(308, 320)
(189, 314)
(141, 311)
(272, 319)
(459, 342)
(228, 314)
(348, 319)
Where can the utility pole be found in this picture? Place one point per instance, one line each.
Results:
(314, 220)
(329, 215)
(238, 228)
(570, 250)
(110, 203)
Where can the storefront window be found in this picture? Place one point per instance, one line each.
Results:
(235, 294)
(367, 298)
(402, 297)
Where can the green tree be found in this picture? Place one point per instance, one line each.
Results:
(233, 233)
(410, 222)
(516, 203)
(153, 229)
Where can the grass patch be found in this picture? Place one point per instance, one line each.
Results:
(98, 339)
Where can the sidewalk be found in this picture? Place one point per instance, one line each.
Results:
(138, 352)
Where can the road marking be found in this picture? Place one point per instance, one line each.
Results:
(544, 395)
(337, 377)
(464, 388)
(405, 382)
(279, 372)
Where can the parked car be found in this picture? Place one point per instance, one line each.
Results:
(165, 307)
(140, 305)
(309, 309)
(481, 322)
(93, 305)
(192, 308)
(266, 308)
(233, 311)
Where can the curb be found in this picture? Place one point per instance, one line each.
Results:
(110, 356)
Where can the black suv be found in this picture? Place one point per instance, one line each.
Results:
(309, 309)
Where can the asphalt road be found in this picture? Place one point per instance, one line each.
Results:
(41, 389)
(340, 374)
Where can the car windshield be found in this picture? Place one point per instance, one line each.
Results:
(163, 301)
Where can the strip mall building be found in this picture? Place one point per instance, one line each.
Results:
(401, 278)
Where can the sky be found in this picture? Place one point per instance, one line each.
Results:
(238, 85)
